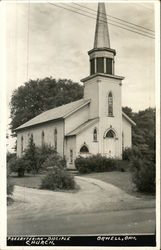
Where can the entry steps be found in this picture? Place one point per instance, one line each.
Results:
(73, 171)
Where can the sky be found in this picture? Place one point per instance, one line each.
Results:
(44, 40)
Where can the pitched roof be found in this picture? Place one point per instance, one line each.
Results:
(55, 113)
(128, 119)
(82, 127)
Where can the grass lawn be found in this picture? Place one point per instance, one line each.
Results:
(119, 179)
(31, 181)
(116, 178)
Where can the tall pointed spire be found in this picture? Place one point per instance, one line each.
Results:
(102, 39)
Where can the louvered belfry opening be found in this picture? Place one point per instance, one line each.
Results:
(101, 56)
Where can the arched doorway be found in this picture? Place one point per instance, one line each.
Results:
(110, 143)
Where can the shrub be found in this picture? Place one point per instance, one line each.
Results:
(57, 179)
(32, 156)
(143, 174)
(54, 160)
(36, 156)
(10, 156)
(96, 163)
(18, 165)
(128, 153)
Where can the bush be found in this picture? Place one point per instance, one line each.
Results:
(128, 153)
(18, 165)
(97, 163)
(54, 160)
(143, 174)
(57, 179)
(36, 156)
(10, 156)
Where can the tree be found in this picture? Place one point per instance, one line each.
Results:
(142, 155)
(128, 111)
(37, 96)
(32, 157)
(143, 134)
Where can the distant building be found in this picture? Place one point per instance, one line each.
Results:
(94, 124)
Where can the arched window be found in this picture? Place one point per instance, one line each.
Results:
(110, 134)
(21, 144)
(122, 140)
(110, 104)
(55, 138)
(95, 134)
(42, 138)
(71, 155)
(84, 149)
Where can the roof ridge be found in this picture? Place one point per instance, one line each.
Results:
(54, 113)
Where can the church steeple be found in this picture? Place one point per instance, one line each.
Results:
(102, 38)
(102, 56)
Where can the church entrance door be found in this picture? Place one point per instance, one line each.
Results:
(110, 144)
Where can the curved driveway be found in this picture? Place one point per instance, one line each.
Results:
(34, 207)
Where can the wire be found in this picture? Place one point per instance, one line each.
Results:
(122, 20)
(102, 21)
(118, 21)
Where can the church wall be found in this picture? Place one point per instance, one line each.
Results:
(127, 132)
(91, 92)
(87, 137)
(105, 86)
(70, 144)
(48, 129)
(76, 119)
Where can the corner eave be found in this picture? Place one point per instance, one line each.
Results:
(128, 119)
(103, 75)
(102, 49)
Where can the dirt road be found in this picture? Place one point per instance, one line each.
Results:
(96, 206)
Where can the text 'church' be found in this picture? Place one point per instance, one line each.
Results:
(94, 124)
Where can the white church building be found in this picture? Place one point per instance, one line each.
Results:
(94, 124)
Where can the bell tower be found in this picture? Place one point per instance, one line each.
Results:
(101, 56)
(103, 87)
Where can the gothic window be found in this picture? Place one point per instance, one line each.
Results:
(100, 65)
(21, 144)
(55, 138)
(92, 67)
(123, 140)
(95, 135)
(71, 156)
(84, 149)
(110, 104)
(110, 134)
(32, 137)
(42, 138)
(109, 66)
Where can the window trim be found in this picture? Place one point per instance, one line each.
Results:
(110, 105)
